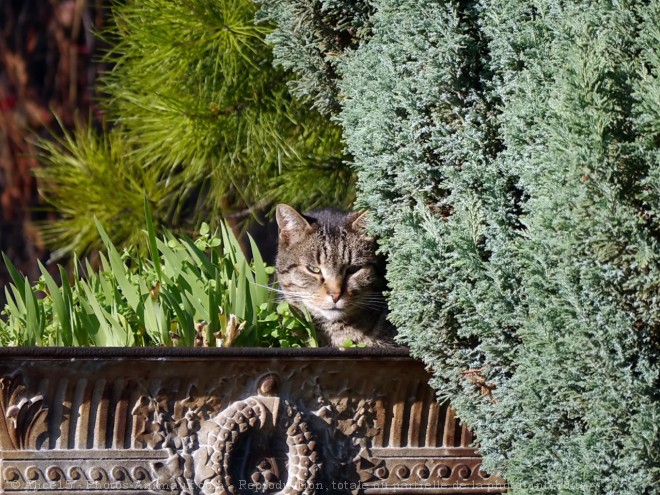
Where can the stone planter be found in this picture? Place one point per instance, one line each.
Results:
(158, 420)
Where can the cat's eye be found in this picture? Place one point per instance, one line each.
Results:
(353, 269)
(314, 269)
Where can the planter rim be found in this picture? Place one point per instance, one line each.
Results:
(125, 420)
(201, 352)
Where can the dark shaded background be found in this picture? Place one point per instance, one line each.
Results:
(49, 62)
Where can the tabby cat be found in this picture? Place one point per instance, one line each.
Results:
(327, 264)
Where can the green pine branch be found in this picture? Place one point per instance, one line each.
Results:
(199, 122)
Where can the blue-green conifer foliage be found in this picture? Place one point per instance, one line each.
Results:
(510, 154)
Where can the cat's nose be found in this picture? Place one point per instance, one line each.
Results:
(333, 287)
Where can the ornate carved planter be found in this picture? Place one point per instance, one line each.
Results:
(228, 421)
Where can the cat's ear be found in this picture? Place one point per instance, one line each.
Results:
(358, 222)
(292, 224)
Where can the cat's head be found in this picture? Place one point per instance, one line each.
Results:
(327, 263)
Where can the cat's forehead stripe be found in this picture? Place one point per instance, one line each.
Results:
(335, 246)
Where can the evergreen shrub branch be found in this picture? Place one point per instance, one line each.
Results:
(311, 38)
(509, 153)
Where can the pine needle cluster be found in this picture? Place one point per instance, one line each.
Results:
(198, 121)
(509, 153)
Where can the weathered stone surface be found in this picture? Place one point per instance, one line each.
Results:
(228, 421)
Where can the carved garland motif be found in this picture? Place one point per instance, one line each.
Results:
(213, 459)
(201, 444)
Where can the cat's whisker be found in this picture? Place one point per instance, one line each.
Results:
(283, 292)
(371, 295)
(296, 298)
(269, 287)
(369, 308)
(371, 299)
(370, 305)
(295, 295)
(367, 297)
(374, 300)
